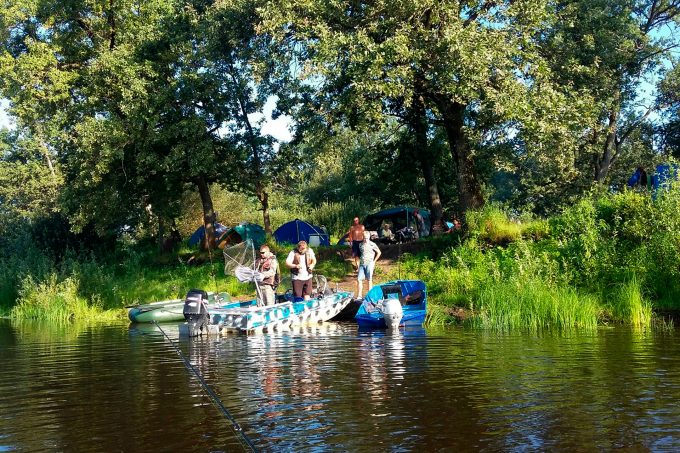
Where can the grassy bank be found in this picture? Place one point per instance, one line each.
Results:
(610, 259)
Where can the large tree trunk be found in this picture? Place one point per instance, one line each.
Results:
(469, 189)
(260, 190)
(263, 196)
(424, 153)
(604, 162)
(208, 214)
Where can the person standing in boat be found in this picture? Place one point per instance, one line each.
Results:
(370, 253)
(268, 266)
(301, 262)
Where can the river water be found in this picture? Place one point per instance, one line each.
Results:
(334, 388)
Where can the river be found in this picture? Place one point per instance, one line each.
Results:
(334, 388)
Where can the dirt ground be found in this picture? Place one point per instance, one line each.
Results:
(387, 265)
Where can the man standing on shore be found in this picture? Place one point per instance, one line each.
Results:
(355, 235)
(370, 253)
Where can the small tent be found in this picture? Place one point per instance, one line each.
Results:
(197, 235)
(299, 230)
(240, 233)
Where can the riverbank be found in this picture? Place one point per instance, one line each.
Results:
(613, 258)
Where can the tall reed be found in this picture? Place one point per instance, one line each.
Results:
(57, 301)
(627, 304)
(533, 305)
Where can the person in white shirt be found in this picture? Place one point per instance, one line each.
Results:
(370, 253)
(301, 262)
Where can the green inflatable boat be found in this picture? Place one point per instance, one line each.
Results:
(169, 310)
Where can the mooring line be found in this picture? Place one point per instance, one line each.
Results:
(235, 426)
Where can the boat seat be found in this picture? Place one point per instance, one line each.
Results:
(390, 290)
(415, 298)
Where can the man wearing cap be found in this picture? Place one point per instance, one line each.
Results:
(268, 266)
(301, 262)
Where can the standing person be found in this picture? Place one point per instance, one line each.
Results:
(301, 262)
(370, 253)
(268, 266)
(355, 235)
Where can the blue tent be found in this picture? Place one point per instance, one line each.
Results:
(196, 237)
(662, 177)
(299, 230)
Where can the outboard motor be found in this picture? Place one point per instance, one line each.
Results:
(393, 313)
(196, 311)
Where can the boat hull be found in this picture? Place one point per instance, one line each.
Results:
(168, 310)
(377, 321)
(279, 316)
(349, 312)
(411, 294)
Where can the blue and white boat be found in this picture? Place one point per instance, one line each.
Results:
(248, 317)
(393, 304)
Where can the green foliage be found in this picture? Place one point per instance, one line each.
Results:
(609, 258)
(533, 305)
(57, 301)
(626, 302)
(492, 224)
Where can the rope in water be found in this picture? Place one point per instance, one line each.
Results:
(243, 438)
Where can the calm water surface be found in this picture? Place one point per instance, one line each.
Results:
(125, 388)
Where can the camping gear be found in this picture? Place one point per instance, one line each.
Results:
(197, 235)
(168, 310)
(241, 233)
(379, 304)
(298, 230)
(663, 175)
(399, 217)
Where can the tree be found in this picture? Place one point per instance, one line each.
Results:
(128, 89)
(463, 59)
(610, 49)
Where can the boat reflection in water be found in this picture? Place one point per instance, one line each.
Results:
(297, 389)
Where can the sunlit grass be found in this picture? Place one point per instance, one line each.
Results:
(533, 305)
(627, 304)
(58, 301)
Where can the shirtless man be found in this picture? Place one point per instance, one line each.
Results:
(356, 237)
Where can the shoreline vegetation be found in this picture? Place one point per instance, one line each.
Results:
(608, 259)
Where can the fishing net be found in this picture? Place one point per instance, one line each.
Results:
(239, 260)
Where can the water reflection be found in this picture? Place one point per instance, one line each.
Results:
(337, 388)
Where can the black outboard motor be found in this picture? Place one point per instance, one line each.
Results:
(196, 311)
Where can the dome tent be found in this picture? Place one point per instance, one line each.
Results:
(242, 232)
(299, 230)
(197, 236)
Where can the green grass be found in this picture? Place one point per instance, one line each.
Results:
(533, 305)
(58, 301)
(627, 303)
